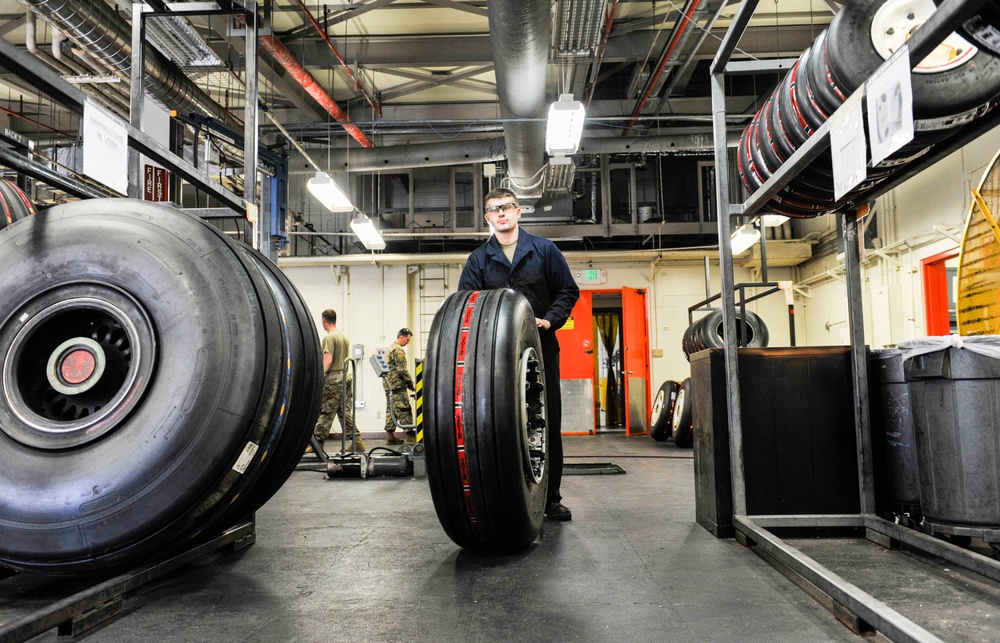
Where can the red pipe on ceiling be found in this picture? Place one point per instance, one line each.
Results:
(343, 63)
(668, 53)
(285, 58)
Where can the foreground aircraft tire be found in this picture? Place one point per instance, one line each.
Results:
(143, 379)
(484, 421)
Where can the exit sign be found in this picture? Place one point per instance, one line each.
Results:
(590, 276)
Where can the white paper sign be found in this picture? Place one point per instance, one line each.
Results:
(848, 149)
(105, 148)
(890, 106)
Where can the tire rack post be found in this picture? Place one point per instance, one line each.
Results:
(756, 531)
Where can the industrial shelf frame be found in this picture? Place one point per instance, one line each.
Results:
(88, 608)
(858, 609)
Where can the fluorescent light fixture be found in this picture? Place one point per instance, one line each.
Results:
(743, 237)
(565, 126)
(772, 220)
(365, 229)
(329, 193)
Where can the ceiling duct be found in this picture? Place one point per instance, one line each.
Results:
(99, 29)
(578, 28)
(177, 40)
(520, 36)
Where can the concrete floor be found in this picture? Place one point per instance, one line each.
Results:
(367, 560)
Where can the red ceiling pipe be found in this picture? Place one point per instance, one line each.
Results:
(600, 56)
(343, 63)
(679, 30)
(285, 58)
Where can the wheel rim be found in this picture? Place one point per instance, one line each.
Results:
(78, 359)
(533, 415)
(896, 20)
(679, 406)
(657, 408)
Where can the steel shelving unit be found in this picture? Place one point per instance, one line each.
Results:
(855, 607)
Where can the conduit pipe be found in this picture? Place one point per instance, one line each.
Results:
(592, 81)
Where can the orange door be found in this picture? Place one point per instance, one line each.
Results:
(635, 350)
(576, 368)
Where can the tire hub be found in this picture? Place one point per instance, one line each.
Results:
(77, 360)
(896, 21)
(533, 417)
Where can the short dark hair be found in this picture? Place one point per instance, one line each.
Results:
(404, 332)
(330, 315)
(500, 193)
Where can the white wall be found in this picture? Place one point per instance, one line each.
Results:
(892, 287)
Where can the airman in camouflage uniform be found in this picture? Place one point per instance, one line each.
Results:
(335, 350)
(397, 384)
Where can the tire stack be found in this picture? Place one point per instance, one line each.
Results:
(709, 332)
(14, 205)
(160, 383)
(948, 92)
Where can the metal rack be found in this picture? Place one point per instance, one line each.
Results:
(86, 609)
(757, 531)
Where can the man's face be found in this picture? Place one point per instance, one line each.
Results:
(502, 213)
(404, 340)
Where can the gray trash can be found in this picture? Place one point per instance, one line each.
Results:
(897, 488)
(955, 401)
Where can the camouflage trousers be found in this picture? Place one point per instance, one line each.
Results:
(400, 401)
(332, 406)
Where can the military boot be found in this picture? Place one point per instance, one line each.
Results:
(411, 437)
(359, 443)
(390, 438)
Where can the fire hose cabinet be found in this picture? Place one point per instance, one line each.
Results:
(799, 446)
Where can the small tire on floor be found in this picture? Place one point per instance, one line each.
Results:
(484, 421)
(661, 417)
(681, 426)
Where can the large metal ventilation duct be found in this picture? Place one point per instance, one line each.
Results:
(98, 28)
(521, 35)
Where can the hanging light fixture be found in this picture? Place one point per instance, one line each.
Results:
(773, 220)
(743, 237)
(565, 126)
(329, 193)
(365, 229)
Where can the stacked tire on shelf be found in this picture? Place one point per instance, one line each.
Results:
(671, 417)
(953, 86)
(160, 383)
(484, 420)
(709, 332)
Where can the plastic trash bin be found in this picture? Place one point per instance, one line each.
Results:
(955, 401)
(897, 487)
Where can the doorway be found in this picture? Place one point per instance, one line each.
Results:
(940, 276)
(605, 364)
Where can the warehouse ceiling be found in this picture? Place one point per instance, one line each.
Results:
(455, 76)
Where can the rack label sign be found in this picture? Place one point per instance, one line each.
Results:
(105, 148)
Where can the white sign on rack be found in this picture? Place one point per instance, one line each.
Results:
(105, 148)
(890, 106)
(848, 147)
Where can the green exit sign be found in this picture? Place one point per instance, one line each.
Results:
(590, 276)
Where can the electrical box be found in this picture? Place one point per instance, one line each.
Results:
(358, 351)
(378, 363)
